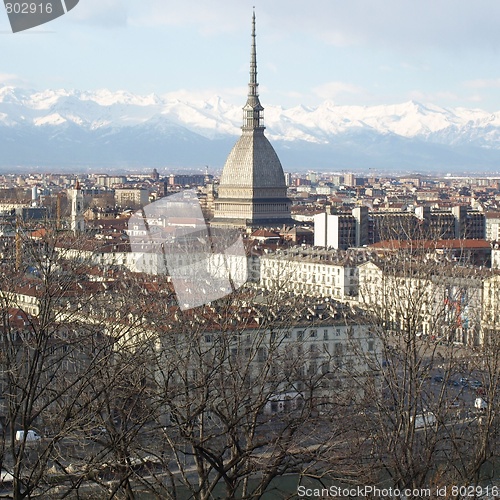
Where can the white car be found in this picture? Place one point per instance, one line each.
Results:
(425, 419)
(31, 435)
(6, 477)
(480, 404)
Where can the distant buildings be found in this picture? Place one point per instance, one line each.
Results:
(188, 179)
(131, 197)
(362, 227)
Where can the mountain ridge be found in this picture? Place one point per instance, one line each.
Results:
(106, 128)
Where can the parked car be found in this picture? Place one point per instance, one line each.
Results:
(6, 477)
(31, 435)
(98, 431)
(480, 404)
(425, 419)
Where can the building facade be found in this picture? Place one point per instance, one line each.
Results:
(429, 301)
(311, 272)
(363, 227)
(131, 197)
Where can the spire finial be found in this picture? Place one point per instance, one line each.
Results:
(252, 112)
(252, 90)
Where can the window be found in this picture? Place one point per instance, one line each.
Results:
(208, 338)
(261, 354)
(313, 368)
(300, 335)
(325, 334)
(371, 344)
(338, 350)
(314, 333)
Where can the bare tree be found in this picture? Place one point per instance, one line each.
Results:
(420, 423)
(242, 392)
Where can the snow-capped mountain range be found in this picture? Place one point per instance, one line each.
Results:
(78, 129)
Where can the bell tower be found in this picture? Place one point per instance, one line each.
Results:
(77, 219)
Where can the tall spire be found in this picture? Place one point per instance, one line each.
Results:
(253, 117)
(253, 85)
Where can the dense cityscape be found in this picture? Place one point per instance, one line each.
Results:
(375, 299)
(249, 332)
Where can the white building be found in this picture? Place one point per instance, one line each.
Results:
(125, 197)
(313, 272)
(491, 319)
(313, 357)
(492, 226)
(341, 231)
(429, 300)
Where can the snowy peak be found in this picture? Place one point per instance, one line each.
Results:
(111, 119)
(216, 118)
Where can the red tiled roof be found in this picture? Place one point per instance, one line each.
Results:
(263, 233)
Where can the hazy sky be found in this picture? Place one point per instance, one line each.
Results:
(364, 52)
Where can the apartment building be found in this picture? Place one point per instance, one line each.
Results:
(364, 227)
(131, 197)
(341, 231)
(492, 226)
(311, 356)
(431, 299)
(310, 271)
(491, 320)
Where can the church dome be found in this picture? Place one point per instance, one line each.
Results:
(254, 164)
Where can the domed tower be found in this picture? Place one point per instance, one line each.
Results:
(252, 189)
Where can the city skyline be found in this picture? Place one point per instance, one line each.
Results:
(355, 53)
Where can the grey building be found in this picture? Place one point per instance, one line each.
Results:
(364, 227)
(252, 190)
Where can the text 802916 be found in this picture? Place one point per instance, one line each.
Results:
(475, 491)
(28, 8)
